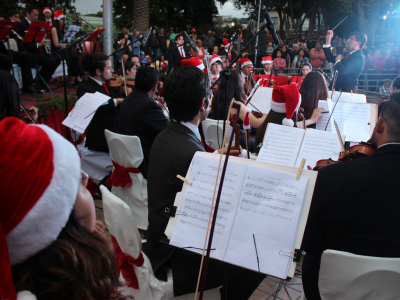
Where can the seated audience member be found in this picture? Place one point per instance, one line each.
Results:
(317, 55)
(306, 68)
(299, 60)
(186, 92)
(380, 63)
(392, 63)
(385, 88)
(201, 53)
(348, 219)
(10, 105)
(52, 247)
(312, 89)
(284, 105)
(215, 50)
(279, 62)
(140, 115)
(135, 59)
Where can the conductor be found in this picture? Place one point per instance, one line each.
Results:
(350, 66)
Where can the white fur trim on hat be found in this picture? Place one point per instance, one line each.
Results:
(26, 295)
(215, 59)
(278, 107)
(44, 222)
(246, 63)
(287, 122)
(47, 9)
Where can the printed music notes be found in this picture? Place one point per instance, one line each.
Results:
(348, 97)
(355, 120)
(262, 99)
(255, 200)
(289, 145)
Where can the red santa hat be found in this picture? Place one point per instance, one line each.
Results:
(244, 62)
(225, 43)
(46, 9)
(286, 99)
(214, 59)
(194, 61)
(40, 176)
(266, 60)
(58, 14)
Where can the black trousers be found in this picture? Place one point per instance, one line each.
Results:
(23, 61)
(74, 68)
(48, 63)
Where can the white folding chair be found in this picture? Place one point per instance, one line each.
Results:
(214, 134)
(127, 152)
(345, 275)
(122, 226)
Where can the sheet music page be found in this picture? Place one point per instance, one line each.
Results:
(318, 145)
(72, 30)
(262, 99)
(348, 97)
(84, 110)
(281, 145)
(270, 207)
(338, 116)
(191, 227)
(357, 122)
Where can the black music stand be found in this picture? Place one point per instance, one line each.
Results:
(5, 29)
(36, 32)
(93, 36)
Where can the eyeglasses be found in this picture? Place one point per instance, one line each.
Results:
(352, 39)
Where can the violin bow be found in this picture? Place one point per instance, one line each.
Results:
(210, 230)
(123, 72)
(333, 110)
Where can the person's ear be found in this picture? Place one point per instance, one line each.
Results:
(98, 72)
(202, 108)
(154, 88)
(380, 125)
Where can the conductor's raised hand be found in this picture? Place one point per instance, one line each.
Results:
(329, 36)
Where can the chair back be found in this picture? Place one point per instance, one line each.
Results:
(120, 223)
(214, 134)
(125, 150)
(345, 275)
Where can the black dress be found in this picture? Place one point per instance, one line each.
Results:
(72, 59)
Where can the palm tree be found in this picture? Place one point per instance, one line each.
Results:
(140, 14)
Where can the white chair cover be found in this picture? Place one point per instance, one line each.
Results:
(345, 275)
(127, 152)
(121, 224)
(59, 71)
(213, 132)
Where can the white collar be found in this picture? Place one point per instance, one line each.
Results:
(392, 143)
(269, 73)
(352, 52)
(28, 20)
(193, 128)
(99, 82)
(243, 76)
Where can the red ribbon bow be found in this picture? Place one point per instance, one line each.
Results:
(120, 176)
(123, 266)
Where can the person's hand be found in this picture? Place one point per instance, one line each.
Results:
(317, 115)
(119, 100)
(34, 113)
(99, 228)
(309, 167)
(224, 150)
(329, 36)
(288, 68)
(43, 43)
(338, 58)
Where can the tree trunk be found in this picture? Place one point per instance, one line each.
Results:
(312, 23)
(281, 16)
(361, 16)
(141, 20)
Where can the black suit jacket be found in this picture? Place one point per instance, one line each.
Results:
(354, 209)
(175, 58)
(106, 116)
(222, 52)
(141, 116)
(21, 29)
(349, 70)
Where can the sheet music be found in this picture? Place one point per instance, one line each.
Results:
(281, 145)
(318, 145)
(353, 119)
(348, 97)
(270, 207)
(197, 201)
(84, 110)
(262, 99)
(72, 30)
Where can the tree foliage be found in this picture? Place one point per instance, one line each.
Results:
(7, 5)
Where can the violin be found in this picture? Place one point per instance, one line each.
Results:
(361, 150)
(117, 81)
(27, 115)
(236, 131)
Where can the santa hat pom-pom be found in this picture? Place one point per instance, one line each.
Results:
(246, 123)
(287, 122)
(26, 295)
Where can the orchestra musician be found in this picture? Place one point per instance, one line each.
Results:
(312, 89)
(140, 115)
(23, 60)
(219, 108)
(215, 65)
(47, 15)
(284, 105)
(56, 36)
(227, 50)
(267, 66)
(350, 67)
(186, 92)
(48, 63)
(353, 207)
(245, 71)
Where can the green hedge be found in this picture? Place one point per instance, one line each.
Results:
(56, 102)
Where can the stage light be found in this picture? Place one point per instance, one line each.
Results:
(233, 24)
(384, 17)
